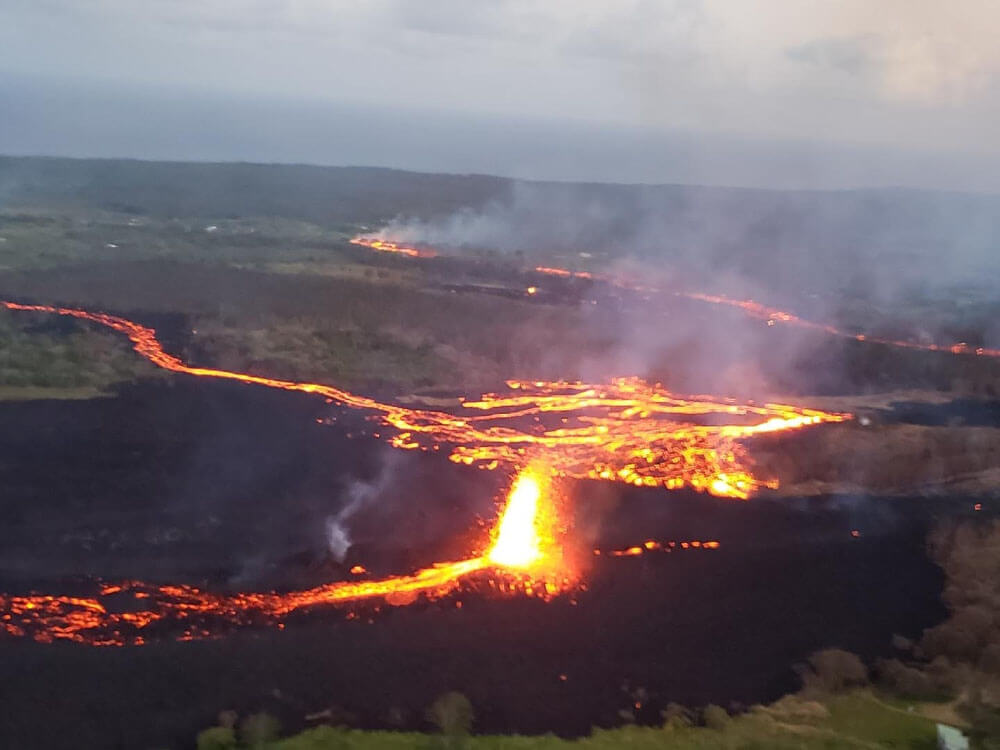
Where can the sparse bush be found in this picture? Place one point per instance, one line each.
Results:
(318, 738)
(258, 729)
(962, 636)
(834, 670)
(906, 681)
(715, 717)
(216, 738)
(676, 716)
(795, 709)
(452, 714)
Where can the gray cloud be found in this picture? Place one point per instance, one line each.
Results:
(854, 55)
(908, 77)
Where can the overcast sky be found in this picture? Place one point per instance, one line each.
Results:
(915, 83)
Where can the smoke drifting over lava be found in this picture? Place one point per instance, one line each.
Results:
(878, 265)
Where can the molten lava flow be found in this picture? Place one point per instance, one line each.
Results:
(524, 556)
(383, 246)
(772, 315)
(549, 271)
(625, 431)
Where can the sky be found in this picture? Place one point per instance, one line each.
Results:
(808, 93)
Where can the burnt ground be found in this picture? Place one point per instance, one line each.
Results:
(230, 486)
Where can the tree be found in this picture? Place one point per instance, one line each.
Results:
(904, 680)
(452, 714)
(715, 717)
(216, 738)
(676, 716)
(834, 670)
(257, 730)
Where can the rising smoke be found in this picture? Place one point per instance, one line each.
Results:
(358, 495)
(887, 261)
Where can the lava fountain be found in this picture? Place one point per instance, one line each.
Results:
(517, 543)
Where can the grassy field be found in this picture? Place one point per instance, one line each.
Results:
(36, 393)
(61, 359)
(854, 720)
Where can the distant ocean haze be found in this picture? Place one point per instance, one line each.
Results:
(58, 117)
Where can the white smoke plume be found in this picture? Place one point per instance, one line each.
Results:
(359, 495)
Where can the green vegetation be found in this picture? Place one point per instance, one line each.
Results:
(852, 720)
(343, 355)
(65, 360)
(35, 239)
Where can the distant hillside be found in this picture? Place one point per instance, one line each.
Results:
(789, 239)
(323, 195)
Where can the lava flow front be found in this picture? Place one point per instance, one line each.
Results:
(524, 555)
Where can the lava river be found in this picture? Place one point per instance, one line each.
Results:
(524, 555)
(626, 430)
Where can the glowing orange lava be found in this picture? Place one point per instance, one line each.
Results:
(524, 556)
(517, 543)
(384, 246)
(652, 545)
(771, 315)
(626, 430)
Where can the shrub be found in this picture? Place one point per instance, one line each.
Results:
(715, 717)
(216, 738)
(452, 714)
(905, 681)
(676, 716)
(834, 670)
(257, 730)
(795, 709)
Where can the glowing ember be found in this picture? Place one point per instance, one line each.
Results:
(651, 545)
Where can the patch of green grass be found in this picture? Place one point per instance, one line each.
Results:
(861, 715)
(44, 357)
(347, 356)
(855, 720)
(32, 240)
(36, 393)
